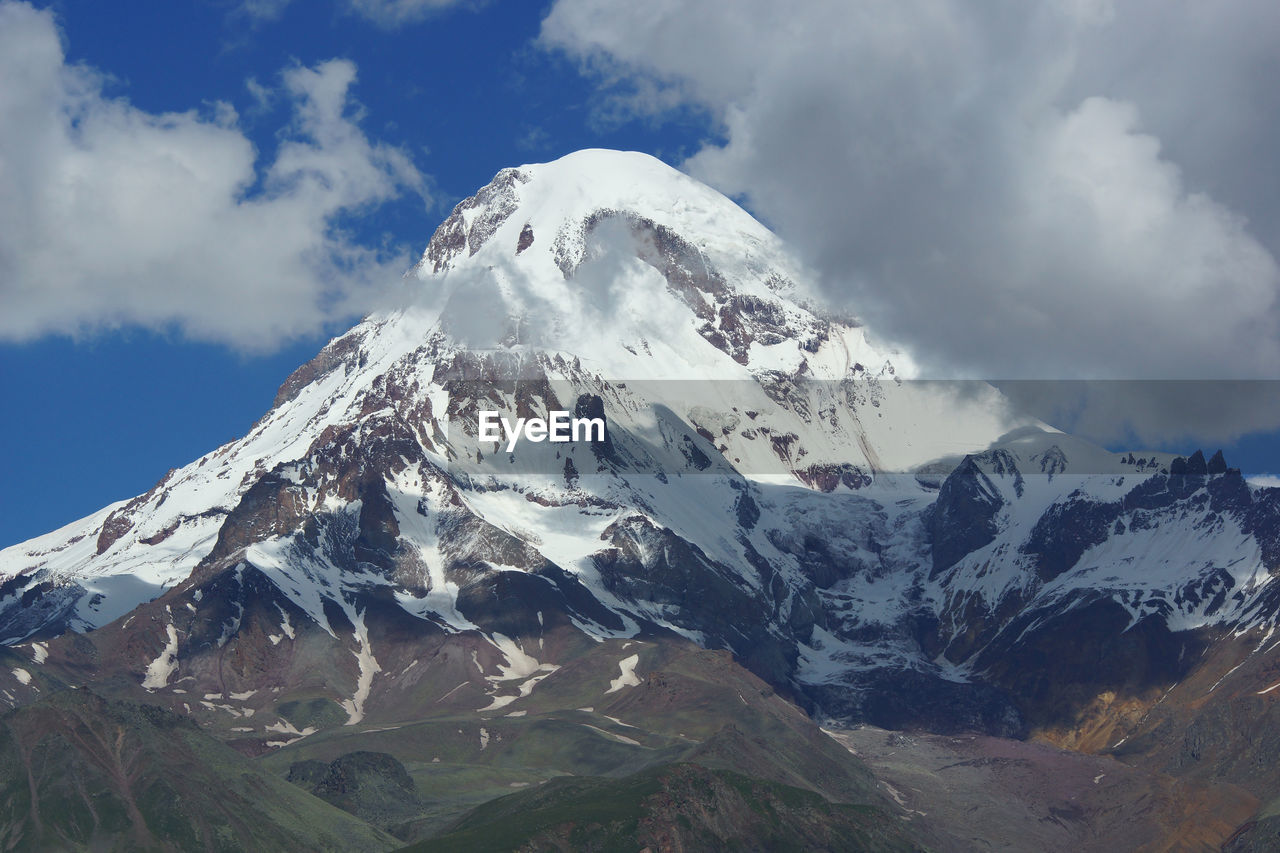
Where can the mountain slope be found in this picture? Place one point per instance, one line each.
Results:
(770, 482)
(367, 480)
(81, 773)
(678, 807)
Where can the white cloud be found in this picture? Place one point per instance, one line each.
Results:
(1264, 481)
(394, 13)
(112, 216)
(385, 13)
(979, 181)
(264, 9)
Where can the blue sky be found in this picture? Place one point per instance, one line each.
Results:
(101, 416)
(946, 178)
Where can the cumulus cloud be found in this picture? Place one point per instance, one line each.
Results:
(990, 184)
(111, 216)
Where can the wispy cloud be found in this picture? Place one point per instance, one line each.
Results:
(533, 138)
(395, 13)
(264, 9)
(112, 216)
(389, 14)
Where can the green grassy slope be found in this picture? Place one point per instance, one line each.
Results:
(78, 772)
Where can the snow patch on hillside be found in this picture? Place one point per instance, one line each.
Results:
(160, 670)
(627, 674)
(368, 669)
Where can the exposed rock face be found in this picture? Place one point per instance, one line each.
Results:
(473, 221)
(526, 239)
(964, 516)
(1067, 530)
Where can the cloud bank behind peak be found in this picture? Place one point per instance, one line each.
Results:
(1008, 189)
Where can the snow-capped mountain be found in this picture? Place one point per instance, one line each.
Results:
(771, 482)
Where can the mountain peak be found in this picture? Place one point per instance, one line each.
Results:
(622, 260)
(542, 200)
